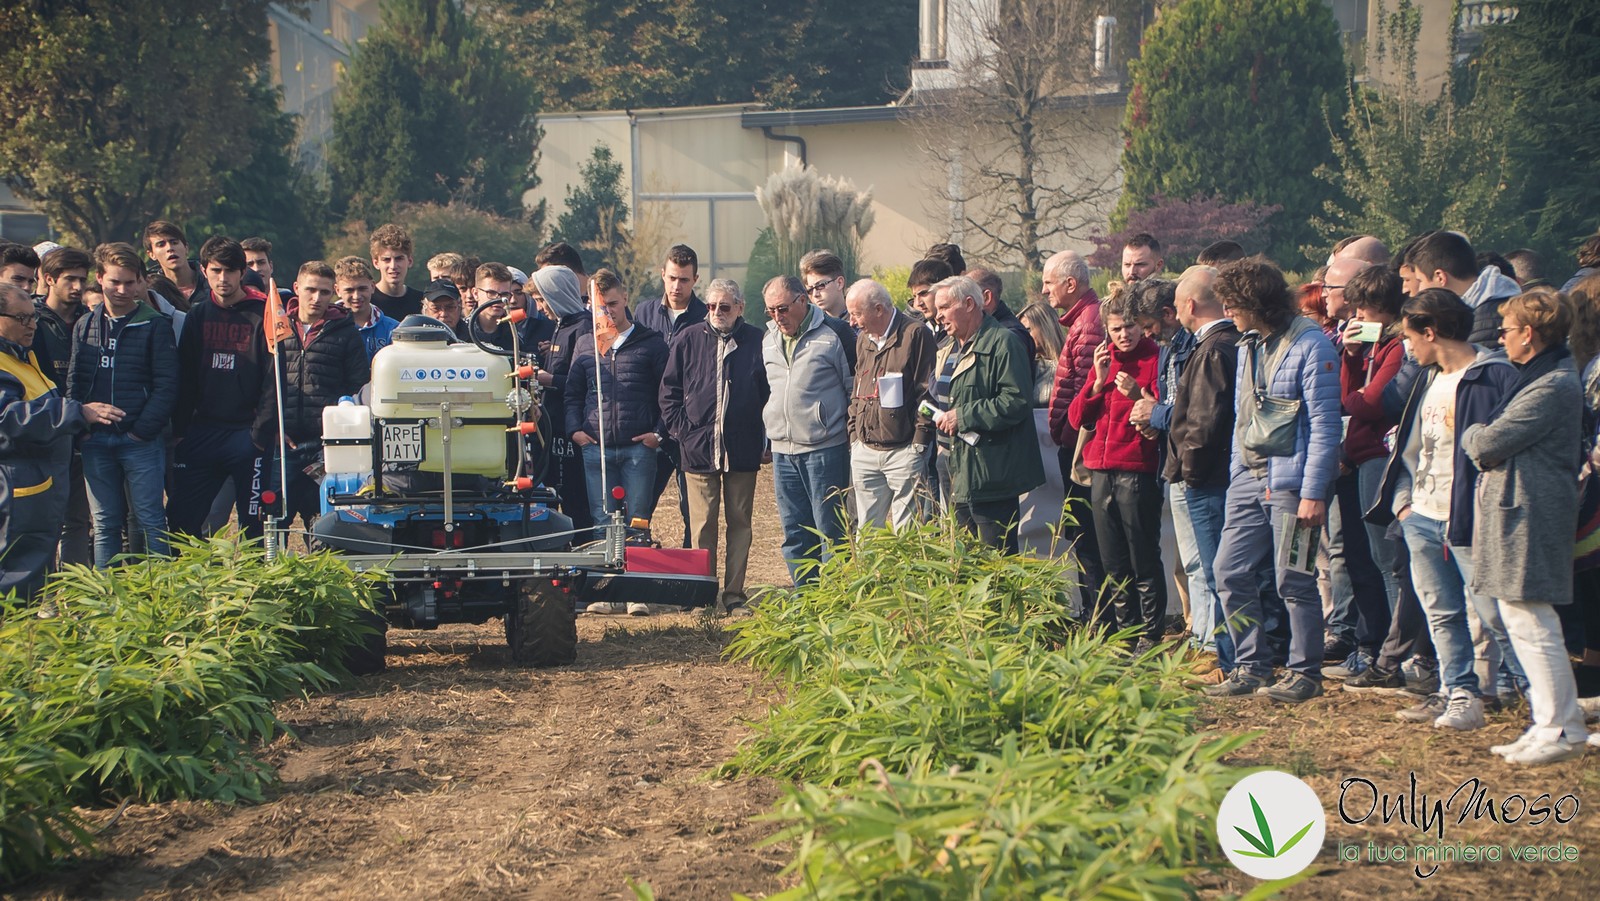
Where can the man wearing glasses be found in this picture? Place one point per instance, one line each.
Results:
(677, 309)
(37, 427)
(808, 357)
(823, 274)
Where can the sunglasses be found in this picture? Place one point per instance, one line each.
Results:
(781, 308)
(721, 307)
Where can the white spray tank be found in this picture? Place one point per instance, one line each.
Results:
(347, 445)
(420, 378)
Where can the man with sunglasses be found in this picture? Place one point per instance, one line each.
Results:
(822, 272)
(712, 393)
(37, 427)
(809, 360)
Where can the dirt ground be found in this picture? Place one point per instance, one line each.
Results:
(456, 775)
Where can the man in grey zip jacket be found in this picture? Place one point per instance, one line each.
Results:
(807, 355)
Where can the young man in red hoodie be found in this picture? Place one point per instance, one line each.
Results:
(1124, 490)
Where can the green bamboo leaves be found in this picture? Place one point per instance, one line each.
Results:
(1263, 843)
(954, 736)
(156, 680)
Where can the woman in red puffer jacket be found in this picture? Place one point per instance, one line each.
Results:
(1124, 489)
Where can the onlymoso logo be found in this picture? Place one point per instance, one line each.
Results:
(1271, 825)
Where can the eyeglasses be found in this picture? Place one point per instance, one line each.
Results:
(26, 318)
(1501, 331)
(722, 307)
(496, 296)
(781, 308)
(817, 288)
(1326, 288)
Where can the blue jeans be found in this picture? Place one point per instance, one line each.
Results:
(1249, 543)
(1442, 588)
(1202, 600)
(123, 472)
(1206, 507)
(632, 466)
(1507, 672)
(810, 488)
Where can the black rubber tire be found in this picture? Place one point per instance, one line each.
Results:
(542, 631)
(368, 657)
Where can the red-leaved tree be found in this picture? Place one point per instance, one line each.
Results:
(1186, 227)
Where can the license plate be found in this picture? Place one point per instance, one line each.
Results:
(402, 442)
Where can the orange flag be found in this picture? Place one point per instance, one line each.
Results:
(276, 322)
(605, 331)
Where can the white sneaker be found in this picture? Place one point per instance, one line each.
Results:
(1464, 712)
(636, 609)
(1538, 753)
(1594, 739)
(609, 607)
(1515, 747)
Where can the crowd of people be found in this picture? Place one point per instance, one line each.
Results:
(1384, 478)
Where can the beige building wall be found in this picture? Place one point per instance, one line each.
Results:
(692, 174)
(1434, 57)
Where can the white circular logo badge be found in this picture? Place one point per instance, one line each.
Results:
(1271, 825)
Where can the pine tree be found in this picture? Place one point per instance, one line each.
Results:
(1540, 73)
(596, 212)
(432, 110)
(1232, 98)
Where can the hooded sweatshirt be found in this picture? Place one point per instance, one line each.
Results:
(224, 368)
(1491, 289)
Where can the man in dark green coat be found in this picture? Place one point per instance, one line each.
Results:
(994, 458)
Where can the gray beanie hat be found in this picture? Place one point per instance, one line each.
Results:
(559, 288)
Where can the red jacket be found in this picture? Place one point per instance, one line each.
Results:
(1076, 364)
(1115, 444)
(1361, 382)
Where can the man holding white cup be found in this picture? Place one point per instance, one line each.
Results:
(888, 440)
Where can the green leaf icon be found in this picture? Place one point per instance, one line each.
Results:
(1261, 823)
(1263, 844)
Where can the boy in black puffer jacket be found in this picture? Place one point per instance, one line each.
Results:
(323, 358)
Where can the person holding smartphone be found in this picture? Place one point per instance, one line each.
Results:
(1372, 351)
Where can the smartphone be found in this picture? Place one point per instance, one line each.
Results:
(926, 408)
(1370, 332)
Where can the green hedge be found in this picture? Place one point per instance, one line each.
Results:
(956, 735)
(156, 679)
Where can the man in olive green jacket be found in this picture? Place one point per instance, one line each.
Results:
(994, 458)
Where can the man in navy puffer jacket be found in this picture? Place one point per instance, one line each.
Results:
(619, 365)
(123, 353)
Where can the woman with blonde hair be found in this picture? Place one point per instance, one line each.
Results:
(1048, 337)
(1523, 536)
